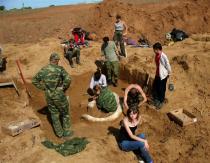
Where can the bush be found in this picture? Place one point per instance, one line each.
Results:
(13, 9)
(27, 8)
(2, 8)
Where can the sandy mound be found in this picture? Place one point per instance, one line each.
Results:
(153, 20)
(31, 36)
(150, 19)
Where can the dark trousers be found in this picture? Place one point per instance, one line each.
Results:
(159, 89)
(74, 53)
(118, 39)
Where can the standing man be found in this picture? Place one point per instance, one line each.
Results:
(109, 51)
(120, 31)
(54, 80)
(72, 50)
(163, 71)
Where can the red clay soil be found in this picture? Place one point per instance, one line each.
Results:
(23, 34)
(150, 19)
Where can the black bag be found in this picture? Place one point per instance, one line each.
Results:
(178, 35)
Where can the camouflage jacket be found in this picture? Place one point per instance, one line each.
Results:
(106, 101)
(51, 78)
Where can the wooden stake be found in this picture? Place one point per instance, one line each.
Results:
(23, 79)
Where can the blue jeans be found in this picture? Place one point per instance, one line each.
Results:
(137, 146)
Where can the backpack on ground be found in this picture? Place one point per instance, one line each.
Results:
(178, 35)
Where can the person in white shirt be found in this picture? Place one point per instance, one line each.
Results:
(98, 79)
(163, 71)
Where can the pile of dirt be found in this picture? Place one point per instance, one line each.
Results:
(151, 19)
(31, 36)
(34, 25)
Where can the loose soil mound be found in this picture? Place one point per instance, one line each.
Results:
(150, 19)
(31, 36)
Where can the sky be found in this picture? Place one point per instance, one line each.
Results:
(9, 4)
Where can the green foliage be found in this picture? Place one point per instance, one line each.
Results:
(2, 8)
(26, 8)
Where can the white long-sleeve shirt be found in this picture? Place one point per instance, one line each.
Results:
(102, 81)
(164, 66)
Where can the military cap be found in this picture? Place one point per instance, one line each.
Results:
(54, 56)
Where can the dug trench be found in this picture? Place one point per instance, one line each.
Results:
(162, 134)
(168, 141)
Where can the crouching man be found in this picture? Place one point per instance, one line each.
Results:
(106, 101)
(72, 50)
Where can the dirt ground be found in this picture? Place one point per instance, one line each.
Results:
(190, 61)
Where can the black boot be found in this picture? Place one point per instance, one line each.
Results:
(79, 63)
(72, 65)
(109, 82)
(115, 83)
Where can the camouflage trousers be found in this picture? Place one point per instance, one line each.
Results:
(118, 39)
(58, 107)
(112, 70)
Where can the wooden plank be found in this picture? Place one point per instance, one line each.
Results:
(23, 79)
(16, 89)
(16, 127)
(6, 84)
(182, 117)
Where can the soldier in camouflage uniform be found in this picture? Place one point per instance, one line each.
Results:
(54, 80)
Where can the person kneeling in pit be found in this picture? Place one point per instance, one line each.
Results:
(72, 50)
(134, 96)
(98, 79)
(104, 99)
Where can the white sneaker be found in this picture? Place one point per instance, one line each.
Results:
(140, 161)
